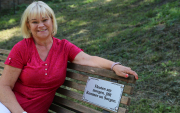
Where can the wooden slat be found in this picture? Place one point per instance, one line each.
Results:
(77, 76)
(3, 58)
(81, 87)
(69, 93)
(122, 110)
(73, 105)
(74, 85)
(59, 109)
(101, 72)
(4, 51)
(124, 100)
(2, 64)
(128, 89)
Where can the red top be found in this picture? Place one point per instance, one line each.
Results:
(39, 80)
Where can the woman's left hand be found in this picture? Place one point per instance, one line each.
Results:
(124, 71)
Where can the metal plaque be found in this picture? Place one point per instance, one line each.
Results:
(103, 93)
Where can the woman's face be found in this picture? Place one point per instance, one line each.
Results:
(41, 28)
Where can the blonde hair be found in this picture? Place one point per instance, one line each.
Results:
(36, 9)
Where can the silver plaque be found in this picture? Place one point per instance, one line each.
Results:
(103, 93)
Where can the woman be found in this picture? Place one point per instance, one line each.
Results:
(36, 66)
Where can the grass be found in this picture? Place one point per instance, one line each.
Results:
(142, 34)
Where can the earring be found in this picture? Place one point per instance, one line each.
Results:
(53, 32)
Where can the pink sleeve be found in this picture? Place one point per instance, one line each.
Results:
(71, 50)
(17, 56)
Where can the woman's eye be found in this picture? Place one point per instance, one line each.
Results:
(45, 20)
(34, 22)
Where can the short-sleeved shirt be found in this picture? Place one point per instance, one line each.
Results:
(39, 80)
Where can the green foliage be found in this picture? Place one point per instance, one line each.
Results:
(150, 14)
(141, 34)
(152, 106)
(55, 1)
(168, 13)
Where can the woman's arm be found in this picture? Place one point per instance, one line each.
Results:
(94, 61)
(7, 81)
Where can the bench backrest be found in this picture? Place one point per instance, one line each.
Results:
(68, 98)
(3, 55)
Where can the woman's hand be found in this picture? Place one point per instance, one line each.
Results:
(124, 71)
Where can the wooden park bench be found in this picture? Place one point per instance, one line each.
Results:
(68, 98)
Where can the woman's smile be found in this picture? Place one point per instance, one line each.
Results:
(42, 30)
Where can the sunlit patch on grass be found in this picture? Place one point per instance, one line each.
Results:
(108, 0)
(113, 34)
(77, 23)
(11, 21)
(73, 6)
(61, 19)
(174, 73)
(81, 32)
(88, 1)
(8, 33)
